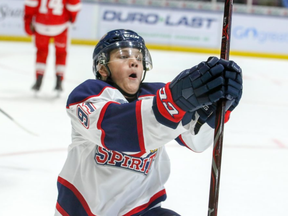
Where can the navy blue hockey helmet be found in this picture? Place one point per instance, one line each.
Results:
(119, 38)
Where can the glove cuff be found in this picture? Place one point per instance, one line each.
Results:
(165, 110)
(166, 105)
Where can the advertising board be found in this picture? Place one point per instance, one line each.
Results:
(259, 34)
(172, 27)
(164, 26)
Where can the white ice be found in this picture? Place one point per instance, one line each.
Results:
(254, 174)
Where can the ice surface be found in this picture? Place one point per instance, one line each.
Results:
(254, 175)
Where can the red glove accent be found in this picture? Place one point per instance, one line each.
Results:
(166, 105)
(227, 116)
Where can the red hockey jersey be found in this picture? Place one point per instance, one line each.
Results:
(51, 17)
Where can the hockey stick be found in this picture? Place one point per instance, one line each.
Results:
(219, 122)
(8, 116)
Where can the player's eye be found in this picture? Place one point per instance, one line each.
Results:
(124, 56)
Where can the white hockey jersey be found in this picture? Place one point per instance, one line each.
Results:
(117, 163)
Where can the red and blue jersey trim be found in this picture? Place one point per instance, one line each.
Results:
(72, 203)
(154, 200)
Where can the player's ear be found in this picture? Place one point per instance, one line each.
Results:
(103, 72)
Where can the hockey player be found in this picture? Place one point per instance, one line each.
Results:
(46, 19)
(117, 163)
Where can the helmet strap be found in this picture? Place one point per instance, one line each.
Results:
(108, 70)
(143, 76)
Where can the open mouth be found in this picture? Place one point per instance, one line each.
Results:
(133, 75)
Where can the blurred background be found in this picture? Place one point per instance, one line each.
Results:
(179, 34)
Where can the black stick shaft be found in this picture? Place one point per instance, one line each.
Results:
(220, 114)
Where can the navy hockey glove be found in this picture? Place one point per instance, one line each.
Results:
(208, 113)
(233, 88)
(199, 88)
(196, 89)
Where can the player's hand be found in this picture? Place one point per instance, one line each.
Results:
(208, 82)
(199, 88)
(28, 26)
(29, 29)
(233, 88)
(72, 18)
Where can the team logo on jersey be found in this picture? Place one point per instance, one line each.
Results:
(114, 158)
(83, 112)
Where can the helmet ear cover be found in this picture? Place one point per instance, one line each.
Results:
(101, 60)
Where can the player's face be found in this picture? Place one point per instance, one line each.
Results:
(126, 66)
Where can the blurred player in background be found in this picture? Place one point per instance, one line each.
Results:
(117, 163)
(46, 19)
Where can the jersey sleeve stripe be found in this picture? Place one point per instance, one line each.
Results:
(139, 130)
(61, 210)
(100, 121)
(180, 140)
(139, 126)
